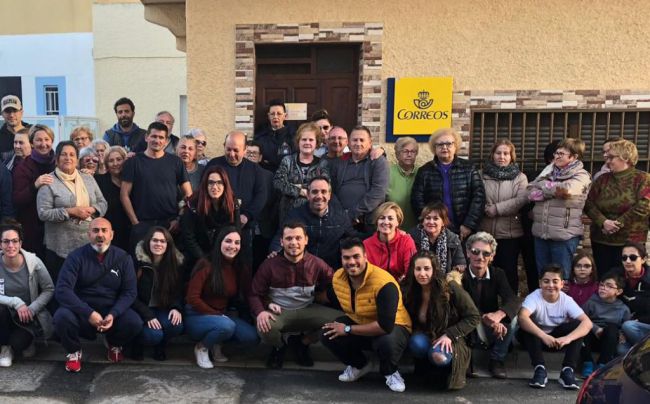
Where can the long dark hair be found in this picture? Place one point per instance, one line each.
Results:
(439, 309)
(167, 270)
(203, 202)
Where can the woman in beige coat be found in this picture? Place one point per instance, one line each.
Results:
(505, 195)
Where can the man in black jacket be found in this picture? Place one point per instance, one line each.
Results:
(277, 140)
(125, 133)
(487, 285)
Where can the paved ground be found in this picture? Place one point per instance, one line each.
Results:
(47, 382)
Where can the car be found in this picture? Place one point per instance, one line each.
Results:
(624, 380)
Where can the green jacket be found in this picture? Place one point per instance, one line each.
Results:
(399, 191)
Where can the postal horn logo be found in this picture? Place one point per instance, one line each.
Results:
(423, 101)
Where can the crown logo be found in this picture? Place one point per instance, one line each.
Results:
(423, 101)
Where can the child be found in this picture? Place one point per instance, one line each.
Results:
(551, 317)
(583, 284)
(607, 313)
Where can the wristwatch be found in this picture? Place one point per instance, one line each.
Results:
(347, 329)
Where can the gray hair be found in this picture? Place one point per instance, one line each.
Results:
(402, 142)
(86, 151)
(483, 236)
(196, 132)
(98, 142)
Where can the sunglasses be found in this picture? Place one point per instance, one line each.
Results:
(477, 252)
(632, 257)
(202, 142)
(215, 183)
(325, 127)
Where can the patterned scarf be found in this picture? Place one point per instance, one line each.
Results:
(440, 247)
(509, 172)
(563, 172)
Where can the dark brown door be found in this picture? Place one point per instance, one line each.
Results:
(323, 76)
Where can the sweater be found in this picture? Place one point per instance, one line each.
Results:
(602, 313)
(399, 191)
(623, 196)
(393, 256)
(582, 292)
(199, 295)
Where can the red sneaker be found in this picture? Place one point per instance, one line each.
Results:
(73, 362)
(115, 354)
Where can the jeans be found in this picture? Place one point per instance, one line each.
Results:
(500, 347)
(152, 337)
(421, 348)
(634, 331)
(556, 252)
(212, 329)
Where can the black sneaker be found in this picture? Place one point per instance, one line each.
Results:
(302, 352)
(159, 353)
(276, 358)
(497, 369)
(540, 378)
(568, 379)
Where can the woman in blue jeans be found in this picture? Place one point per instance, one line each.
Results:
(215, 283)
(159, 300)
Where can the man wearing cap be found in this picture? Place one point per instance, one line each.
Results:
(12, 113)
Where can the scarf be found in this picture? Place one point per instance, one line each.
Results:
(40, 159)
(440, 247)
(76, 185)
(562, 172)
(509, 172)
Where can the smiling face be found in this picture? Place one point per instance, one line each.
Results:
(563, 157)
(632, 261)
(480, 256)
(360, 143)
(502, 156)
(307, 142)
(230, 246)
(22, 147)
(215, 186)
(582, 270)
(423, 271)
(293, 243)
(11, 243)
(318, 196)
(387, 224)
(433, 224)
(42, 143)
(324, 125)
(551, 284)
(67, 160)
(90, 162)
(337, 141)
(12, 116)
(115, 163)
(354, 261)
(235, 148)
(158, 244)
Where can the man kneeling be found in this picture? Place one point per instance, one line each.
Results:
(375, 317)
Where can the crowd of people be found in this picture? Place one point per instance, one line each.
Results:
(307, 235)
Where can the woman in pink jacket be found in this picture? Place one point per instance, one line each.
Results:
(389, 247)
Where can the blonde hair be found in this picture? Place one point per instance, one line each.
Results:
(575, 146)
(504, 142)
(385, 207)
(39, 127)
(441, 132)
(79, 129)
(626, 150)
(114, 149)
(305, 127)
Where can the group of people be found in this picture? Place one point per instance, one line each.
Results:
(141, 237)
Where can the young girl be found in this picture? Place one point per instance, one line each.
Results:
(583, 283)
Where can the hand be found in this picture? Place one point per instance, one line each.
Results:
(80, 212)
(95, 320)
(275, 308)
(460, 268)
(599, 332)
(87, 171)
(494, 317)
(464, 232)
(272, 254)
(491, 210)
(44, 179)
(175, 317)
(107, 323)
(154, 324)
(611, 226)
(500, 330)
(561, 193)
(376, 152)
(173, 226)
(264, 321)
(334, 330)
(565, 288)
(549, 341)
(243, 219)
(303, 192)
(130, 154)
(25, 315)
(562, 342)
(445, 343)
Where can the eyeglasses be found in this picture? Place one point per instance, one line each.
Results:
(252, 153)
(608, 286)
(325, 127)
(585, 266)
(561, 154)
(405, 151)
(7, 241)
(444, 144)
(91, 160)
(632, 257)
(276, 113)
(159, 240)
(215, 183)
(477, 252)
(201, 142)
(609, 157)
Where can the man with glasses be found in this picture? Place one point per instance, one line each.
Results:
(276, 139)
(12, 113)
(402, 176)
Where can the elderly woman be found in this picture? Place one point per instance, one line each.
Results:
(28, 177)
(295, 171)
(27, 288)
(559, 193)
(81, 136)
(402, 176)
(452, 180)
(186, 151)
(618, 205)
(88, 160)
(67, 206)
(389, 247)
(101, 147)
(505, 195)
(201, 143)
(433, 234)
(109, 184)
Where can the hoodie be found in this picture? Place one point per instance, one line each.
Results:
(129, 140)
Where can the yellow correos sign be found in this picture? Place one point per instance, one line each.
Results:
(422, 105)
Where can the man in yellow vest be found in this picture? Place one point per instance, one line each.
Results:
(375, 317)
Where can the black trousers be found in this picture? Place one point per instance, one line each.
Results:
(534, 345)
(11, 334)
(507, 258)
(606, 344)
(349, 349)
(606, 257)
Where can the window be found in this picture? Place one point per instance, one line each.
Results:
(532, 130)
(51, 100)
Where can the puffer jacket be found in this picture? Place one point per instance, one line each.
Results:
(509, 196)
(468, 192)
(560, 218)
(392, 256)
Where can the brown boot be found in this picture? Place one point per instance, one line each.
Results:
(497, 369)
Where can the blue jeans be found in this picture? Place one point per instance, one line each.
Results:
(500, 347)
(634, 331)
(151, 337)
(421, 347)
(216, 329)
(556, 252)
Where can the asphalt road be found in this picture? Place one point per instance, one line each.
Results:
(48, 382)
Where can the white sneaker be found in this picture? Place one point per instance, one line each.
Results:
(217, 355)
(351, 374)
(6, 356)
(202, 357)
(30, 352)
(395, 382)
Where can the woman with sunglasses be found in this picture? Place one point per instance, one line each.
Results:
(88, 160)
(559, 193)
(618, 204)
(636, 293)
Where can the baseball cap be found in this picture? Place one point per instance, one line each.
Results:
(11, 101)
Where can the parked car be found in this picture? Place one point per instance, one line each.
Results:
(624, 380)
